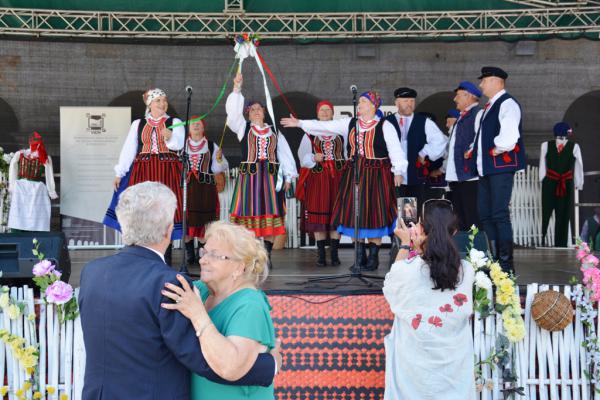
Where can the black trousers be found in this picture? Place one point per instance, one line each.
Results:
(464, 200)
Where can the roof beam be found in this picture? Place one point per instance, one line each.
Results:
(399, 25)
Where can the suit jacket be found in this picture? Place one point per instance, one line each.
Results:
(135, 348)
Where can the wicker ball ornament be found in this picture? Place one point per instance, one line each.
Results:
(552, 310)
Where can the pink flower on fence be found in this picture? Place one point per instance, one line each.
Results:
(42, 268)
(581, 253)
(590, 259)
(59, 293)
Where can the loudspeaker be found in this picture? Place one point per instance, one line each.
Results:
(17, 260)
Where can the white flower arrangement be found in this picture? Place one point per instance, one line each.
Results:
(505, 302)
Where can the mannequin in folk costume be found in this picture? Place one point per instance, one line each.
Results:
(150, 154)
(499, 153)
(258, 203)
(379, 152)
(561, 171)
(421, 140)
(31, 184)
(322, 159)
(205, 160)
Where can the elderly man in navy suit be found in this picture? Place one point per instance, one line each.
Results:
(136, 349)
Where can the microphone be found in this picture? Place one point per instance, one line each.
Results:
(188, 89)
(353, 89)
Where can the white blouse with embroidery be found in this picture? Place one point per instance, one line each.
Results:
(237, 123)
(429, 351)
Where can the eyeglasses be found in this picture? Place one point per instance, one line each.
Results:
(444, 201)
(213, 255)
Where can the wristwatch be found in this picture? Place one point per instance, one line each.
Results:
(404, 247)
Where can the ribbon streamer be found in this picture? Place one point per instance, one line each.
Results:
(221, 94)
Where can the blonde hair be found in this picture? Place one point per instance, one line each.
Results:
(245, 247)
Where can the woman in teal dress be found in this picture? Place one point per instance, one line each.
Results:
(230, 314)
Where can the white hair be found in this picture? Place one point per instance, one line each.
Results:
(145, 212)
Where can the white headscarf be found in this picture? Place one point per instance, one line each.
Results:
(152, 95)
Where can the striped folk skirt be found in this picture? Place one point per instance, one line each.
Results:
(203, 203)
(377, 213)
(256, 204)
(163, 168)
(321, 189)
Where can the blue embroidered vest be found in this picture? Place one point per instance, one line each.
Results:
(510, 161)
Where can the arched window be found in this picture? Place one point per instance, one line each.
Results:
(584, 117)
(438, 105)
(304, 104)
(9, 129)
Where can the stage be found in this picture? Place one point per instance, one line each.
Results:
(294, 266)
(332, 334)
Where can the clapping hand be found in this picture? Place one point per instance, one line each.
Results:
(291, 122)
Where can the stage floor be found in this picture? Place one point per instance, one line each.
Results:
(292, 267)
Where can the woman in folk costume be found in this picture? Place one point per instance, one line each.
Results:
(205, 160)
(379, 151)
(31, 184)
(150, 154)
(266, 159)
(322, 159)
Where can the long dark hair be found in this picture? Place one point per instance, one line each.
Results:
(439, 250)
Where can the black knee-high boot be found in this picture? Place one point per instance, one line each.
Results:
(335, 244)
(373, 261)
(269, 247)
(505, 256)
(321, 261)
(362, 258)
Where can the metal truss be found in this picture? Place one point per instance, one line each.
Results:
(581, 18)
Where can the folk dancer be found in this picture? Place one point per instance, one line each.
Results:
(379, 152)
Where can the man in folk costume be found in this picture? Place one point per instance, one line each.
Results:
(561, 171)
(421, 140)
(461, 173)
(149, 153)
(379, 152)
(205, 160)
(499, 152)
(31, 184)
(322, 160)
(266, 170)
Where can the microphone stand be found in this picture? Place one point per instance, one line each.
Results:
(184, 172)
(356, 271)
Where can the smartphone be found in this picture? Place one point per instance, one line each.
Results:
(407, 210)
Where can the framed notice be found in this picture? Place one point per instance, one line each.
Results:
(90, 143)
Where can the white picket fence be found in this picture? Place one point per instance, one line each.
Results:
(549, 365)
(61, 350)
(526, 210)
